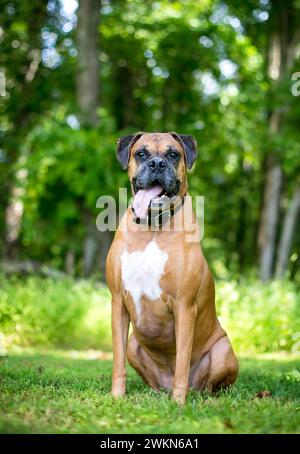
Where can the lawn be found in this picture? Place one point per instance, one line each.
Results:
(59, 392)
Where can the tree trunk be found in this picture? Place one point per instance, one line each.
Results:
(287, 235)
(242, 217)
(13, 217)
(269, 218)
(88, 72)
(271, 197)
(281, 58)
(88, 81)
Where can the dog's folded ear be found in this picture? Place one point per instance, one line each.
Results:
(124, 145)
(189, 146)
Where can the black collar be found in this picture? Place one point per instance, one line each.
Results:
(160, 212)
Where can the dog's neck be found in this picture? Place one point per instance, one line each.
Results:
(161, 212)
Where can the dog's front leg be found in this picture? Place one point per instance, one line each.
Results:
(184, 314)
(120, 326)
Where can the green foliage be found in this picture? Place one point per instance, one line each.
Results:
(194, 67)
(260, 317)
(57, 393)
(54, 313)
(67, 171)
(76, 314)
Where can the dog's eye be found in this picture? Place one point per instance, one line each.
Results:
(140, 154)
(173, 155)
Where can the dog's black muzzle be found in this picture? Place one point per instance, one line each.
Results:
(157, 170)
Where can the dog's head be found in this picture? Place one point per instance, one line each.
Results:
(157, 160)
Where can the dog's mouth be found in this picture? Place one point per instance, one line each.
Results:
(143, 198)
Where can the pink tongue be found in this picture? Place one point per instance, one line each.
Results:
(142, 199)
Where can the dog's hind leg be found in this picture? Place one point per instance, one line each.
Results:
(218, 368)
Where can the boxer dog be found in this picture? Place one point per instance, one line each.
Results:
(159, 279)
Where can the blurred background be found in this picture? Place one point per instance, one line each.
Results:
(76, 75)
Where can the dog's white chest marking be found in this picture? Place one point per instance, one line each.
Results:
(141, 272)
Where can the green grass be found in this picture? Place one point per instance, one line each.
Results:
(58, 392)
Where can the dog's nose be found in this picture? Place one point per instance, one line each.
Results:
(157, 164)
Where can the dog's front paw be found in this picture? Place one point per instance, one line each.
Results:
(117, 394)
(118, 390)
(179, 395)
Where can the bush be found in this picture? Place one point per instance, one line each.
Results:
(260, 317)
(76, 314)
(48, 312)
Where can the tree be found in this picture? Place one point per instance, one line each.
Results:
(88, 80)
(195, 67)
(287, 235)
(88, 66)
(283, 39)
(23, 23)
